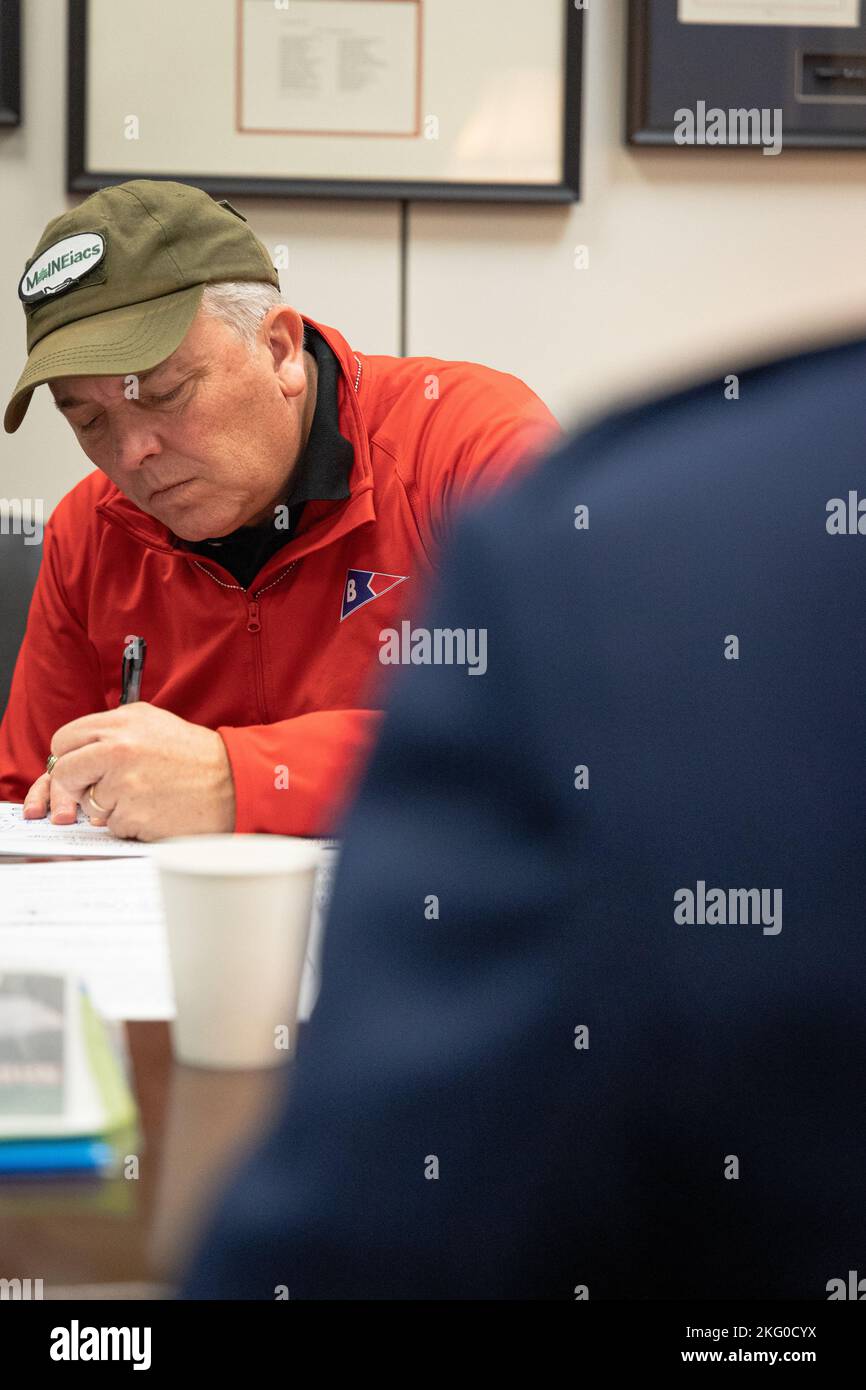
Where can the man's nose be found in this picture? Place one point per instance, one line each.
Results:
(133, 441)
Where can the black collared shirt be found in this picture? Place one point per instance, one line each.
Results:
(322, 474)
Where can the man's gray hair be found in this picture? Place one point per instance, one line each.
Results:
(241, 305)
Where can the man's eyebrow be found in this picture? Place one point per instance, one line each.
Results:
(192, 369)
(70, 402)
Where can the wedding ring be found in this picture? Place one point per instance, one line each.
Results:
(100, 811)
(52, 759)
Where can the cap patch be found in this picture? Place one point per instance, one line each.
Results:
(61, 266)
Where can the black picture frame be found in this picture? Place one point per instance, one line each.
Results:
(10, 63)
(673, 66)
(80, 179)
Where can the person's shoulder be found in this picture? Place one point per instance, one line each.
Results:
(439, 391)
(459, 382)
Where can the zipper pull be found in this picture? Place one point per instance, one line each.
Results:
(253, 624)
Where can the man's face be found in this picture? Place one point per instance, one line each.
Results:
(214, 433)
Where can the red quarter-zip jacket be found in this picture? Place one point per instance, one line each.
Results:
(288, 671)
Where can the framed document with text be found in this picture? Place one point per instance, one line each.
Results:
(796, 66)
(470, 99)
(10, 62)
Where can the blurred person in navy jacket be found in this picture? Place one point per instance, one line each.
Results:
(593, 1018)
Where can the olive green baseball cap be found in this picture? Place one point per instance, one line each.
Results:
(113, 285)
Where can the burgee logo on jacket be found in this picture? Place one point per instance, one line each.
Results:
(362, 586)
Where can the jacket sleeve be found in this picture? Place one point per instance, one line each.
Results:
(57, 677)
(295, 777)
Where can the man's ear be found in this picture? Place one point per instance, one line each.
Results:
(283, 331)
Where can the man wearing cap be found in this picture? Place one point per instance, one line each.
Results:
(267, 504)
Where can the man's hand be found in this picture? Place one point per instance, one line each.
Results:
(154, 774)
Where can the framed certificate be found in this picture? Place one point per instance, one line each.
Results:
(10, 62)
(470, 99)
(732, 67)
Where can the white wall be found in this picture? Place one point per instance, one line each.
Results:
(695, 259)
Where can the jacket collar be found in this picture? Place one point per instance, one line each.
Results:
(323, 522)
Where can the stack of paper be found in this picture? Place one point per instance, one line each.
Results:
(64, 1092)
(20, 836)
(103, 918)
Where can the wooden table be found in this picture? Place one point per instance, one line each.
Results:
(129, 1238)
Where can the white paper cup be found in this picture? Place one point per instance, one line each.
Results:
(237, 910)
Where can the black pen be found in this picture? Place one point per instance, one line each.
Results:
(131, 669)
